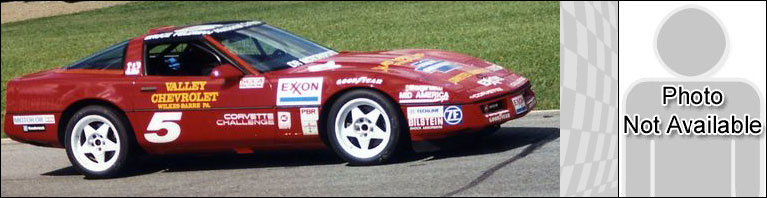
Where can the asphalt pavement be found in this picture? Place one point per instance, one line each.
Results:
(521, 159)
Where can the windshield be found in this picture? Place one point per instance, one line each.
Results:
(268, 49)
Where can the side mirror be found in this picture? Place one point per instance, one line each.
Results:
(225, 71)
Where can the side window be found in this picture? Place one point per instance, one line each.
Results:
(181, 59)
(109, 58)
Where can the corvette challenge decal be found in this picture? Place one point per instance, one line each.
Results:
(359, 80)
(431, 65)
(422, 94)
(34, 119)
(299, 91)
(283, 120)
(246, 119)
(252, 83)
(423, 118)
(384, 66)
(464, 75)
(309, 117)
(192, 96)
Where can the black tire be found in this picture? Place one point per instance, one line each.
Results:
(389, 108)
(119, 122)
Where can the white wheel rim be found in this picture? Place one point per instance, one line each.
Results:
(95, 143)
(359, 121)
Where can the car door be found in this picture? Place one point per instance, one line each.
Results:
(180, 107)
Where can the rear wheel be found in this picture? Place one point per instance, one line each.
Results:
(363, 127)
(97, 142)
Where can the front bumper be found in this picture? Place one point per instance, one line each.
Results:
(476, 116)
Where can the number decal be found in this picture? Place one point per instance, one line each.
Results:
(163, 121)
(134, 68)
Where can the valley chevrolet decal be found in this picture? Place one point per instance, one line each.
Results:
(246, 119)
(433, 117)
(283, 120)
(422, 94)
(359, 80)
(299, 91)
(309, 117)
(252, 83)
(192, 96)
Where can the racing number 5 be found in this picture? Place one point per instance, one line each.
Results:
(163, 121)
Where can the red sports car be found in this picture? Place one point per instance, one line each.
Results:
(243, 86)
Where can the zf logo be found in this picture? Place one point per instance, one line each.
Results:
(453, 115)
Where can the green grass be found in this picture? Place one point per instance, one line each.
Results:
(522, 36)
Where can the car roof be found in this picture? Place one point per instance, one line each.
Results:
(196, 31)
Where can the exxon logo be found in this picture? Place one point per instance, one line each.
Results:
(300, 87)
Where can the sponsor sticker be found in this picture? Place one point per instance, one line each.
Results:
(464, 75)
(309, 117)
(283, 120)
(432, 65)
(384, 66)
(486, 92)
(299, 91)
(423, 94)
(34, 119)
(322, 67)
(490, 81)
(424, 118)
(31, 128)
(312, 58)
(134, 68)
(252, 83)
(453, 115)
(519, 104)
(498, 116)
(246, 119)
(518, 82)
(494, 68)
(202, 30)
(359, 80)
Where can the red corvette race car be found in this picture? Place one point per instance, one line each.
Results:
(243, 86)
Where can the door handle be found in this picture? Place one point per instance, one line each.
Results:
(148, 89)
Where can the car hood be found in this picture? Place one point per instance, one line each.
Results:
(454, 71)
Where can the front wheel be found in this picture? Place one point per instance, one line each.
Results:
(97, 142)
(363, 127)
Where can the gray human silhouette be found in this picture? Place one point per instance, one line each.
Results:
(692, 43)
